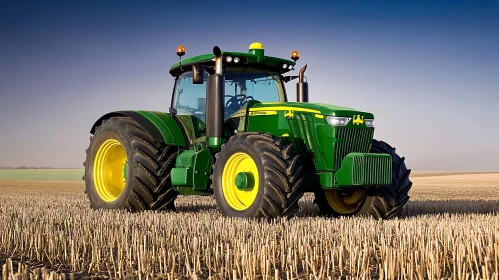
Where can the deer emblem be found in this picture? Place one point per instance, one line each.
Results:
(358, 119)
(289, 114)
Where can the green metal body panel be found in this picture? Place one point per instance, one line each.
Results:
(167, 126)
(202, 169)
(182, 172)
(181, 176)
(193, 169)
(185, 159)
(160, 126)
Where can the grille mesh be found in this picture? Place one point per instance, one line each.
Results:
(371, 171)
(351, 140)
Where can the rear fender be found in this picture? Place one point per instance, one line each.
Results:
(160, 126)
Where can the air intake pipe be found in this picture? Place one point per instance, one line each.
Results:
(215, 92)
(302, 87)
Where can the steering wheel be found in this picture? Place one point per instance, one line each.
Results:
(236, 102)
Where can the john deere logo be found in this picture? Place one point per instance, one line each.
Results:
(289, 114)
(358, 119)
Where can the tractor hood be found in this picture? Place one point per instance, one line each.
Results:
(316, 108)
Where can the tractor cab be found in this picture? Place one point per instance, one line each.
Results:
(249, 78)
(242, 87)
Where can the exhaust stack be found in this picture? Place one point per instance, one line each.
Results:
(302, 87)
(215, 92)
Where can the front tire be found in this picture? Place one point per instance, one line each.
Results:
(257, 175)
(126, 169)
(382, 202)
(388, 202)
(336, 203)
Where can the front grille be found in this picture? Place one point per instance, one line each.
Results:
(351, 140)
(372, 171)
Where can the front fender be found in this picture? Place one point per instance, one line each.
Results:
(160, 126)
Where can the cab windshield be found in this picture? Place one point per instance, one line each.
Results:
(241, 86)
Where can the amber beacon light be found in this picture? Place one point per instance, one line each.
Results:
(295, 55)
(180, 50)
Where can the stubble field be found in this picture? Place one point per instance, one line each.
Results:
(448, 230)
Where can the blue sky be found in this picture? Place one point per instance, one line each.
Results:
(428, 70)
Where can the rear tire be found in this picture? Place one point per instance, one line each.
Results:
(279, 176)
(380, 202)
(149, 163)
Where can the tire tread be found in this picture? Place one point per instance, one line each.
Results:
(282, 172)
(388, 202)
(152, 163)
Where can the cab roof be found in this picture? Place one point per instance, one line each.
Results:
(254, 58)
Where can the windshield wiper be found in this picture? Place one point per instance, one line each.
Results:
(271, 75)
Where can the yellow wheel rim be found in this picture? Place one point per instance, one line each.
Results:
(236, 198)
(342, 204)
(109, 173)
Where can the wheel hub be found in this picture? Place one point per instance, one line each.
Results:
(244, 181)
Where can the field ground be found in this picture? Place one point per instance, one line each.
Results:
(42, 174)
(449, 229)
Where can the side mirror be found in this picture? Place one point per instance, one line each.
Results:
(197, 74)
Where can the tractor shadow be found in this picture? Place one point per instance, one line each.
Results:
(415, 208)
(196, 204)
(452, 206)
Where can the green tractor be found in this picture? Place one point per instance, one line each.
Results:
(231, 132)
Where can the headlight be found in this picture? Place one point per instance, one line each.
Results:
(338, 121)
(369, 122)
(284, 66)
(236, 59)
(228, 59)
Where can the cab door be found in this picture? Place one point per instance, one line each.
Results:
(189, 101)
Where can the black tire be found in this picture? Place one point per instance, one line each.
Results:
(148, 185)
(388, 202)
(381, 202)
(326, 210)
(280, 176)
